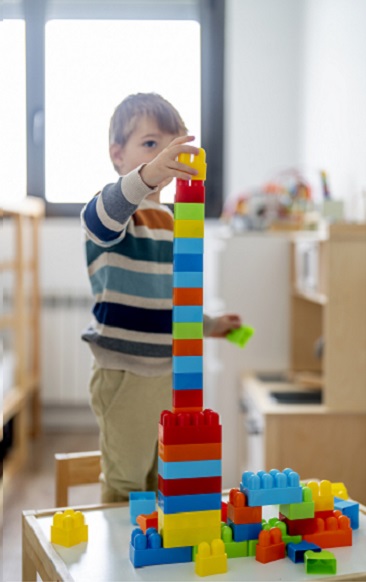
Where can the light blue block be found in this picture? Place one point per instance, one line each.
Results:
(187, 381)
(188, 246)
(188, 364)
(349, 508)
(187, 279)
(271, 488)
(189, 469)
(182, 503)
(187, 313)
(141, 502)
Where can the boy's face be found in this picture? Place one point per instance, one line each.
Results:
(144, 144)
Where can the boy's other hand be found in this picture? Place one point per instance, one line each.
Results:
(166, 166)
(226, 323)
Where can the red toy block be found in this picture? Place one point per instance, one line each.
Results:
(191, 486)
(188, 398)
(187, 296)
(239, 512)
(187, 347)
(146, 521)
(301, 527)
(190, 191)
(189, 428)
(196, 452)
(224, 511)
(270, 546)
(333, 532)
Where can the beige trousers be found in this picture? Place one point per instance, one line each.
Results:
(127, 408)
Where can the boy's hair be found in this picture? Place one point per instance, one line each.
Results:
(133, 107)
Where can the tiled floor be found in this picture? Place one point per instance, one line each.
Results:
(34, 488)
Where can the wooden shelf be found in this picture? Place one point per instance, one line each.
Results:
(311, 296)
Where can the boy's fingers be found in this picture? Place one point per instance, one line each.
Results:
(178, 166)
(182, 139)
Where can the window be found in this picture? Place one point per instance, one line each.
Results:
(80, 63)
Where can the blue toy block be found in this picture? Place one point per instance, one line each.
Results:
(188, 313)
(187, 381)
(189, 469)
(271, 488)
(296, 551)
(349, 508)
(189, 246)
(188, 279)
(188, 364)
(245, 531)
(147, 550)
(183, 503)
(193, 263)
(141, 502)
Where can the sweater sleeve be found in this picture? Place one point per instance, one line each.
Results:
(106, 216)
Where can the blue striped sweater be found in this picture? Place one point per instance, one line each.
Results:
(129, 252)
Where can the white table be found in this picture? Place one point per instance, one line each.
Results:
(105, 558)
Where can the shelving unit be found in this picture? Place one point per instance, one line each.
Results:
(21, 326)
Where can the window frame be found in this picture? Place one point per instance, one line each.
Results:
(209, 13)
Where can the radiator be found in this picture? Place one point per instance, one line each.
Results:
(65, 359)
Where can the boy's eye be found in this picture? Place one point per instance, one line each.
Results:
(150, 143)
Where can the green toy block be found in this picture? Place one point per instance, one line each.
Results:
(275, 522)
(189, 211)
(241, 335)
(233, 549)
(187, 330)
(302, 510)
(323, 562)
(252, 544)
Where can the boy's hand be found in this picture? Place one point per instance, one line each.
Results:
(166, 167)
(226, 323)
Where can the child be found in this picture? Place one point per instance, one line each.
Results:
(129, 248)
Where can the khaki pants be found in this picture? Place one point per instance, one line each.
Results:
(127, 408)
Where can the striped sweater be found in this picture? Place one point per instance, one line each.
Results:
(129, 252)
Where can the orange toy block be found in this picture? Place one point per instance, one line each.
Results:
(333, 532)
(187, 347)
(322, 495)
(270, 546)
(146, 521)
(194, 452)
(239, 512)
(187, 296)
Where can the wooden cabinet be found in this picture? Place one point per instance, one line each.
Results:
(19, 329)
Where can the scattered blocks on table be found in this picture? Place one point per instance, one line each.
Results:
(333, 532)
(245, 531)
(320, 563)
(322, 495)
(211, 559)
(286, 538)
(303, 510)
(190, 428)
(270, 546)
(238, 510)
(147, 521)
(271, 488)
(349, 508)
(68, 528)
(141, 502)
(147, 550)
(296, 552)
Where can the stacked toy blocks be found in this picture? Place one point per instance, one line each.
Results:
(190, 438)
(146, 549)
(245, 521)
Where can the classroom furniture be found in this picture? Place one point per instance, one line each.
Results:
(328, 300)
(20, 328)
(73, 469)
(106, 555)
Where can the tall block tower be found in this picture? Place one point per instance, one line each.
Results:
(190, 438)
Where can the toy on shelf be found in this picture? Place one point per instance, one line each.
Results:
(68, 528)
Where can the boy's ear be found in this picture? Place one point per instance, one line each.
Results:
(116, 154)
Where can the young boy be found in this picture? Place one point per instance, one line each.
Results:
(129, 248)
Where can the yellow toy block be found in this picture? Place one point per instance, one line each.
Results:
(193, 536)
(198, 162)
(322, 495)
(211, 560)
(69, 528)
(340, 490)
(189, 228)
(189, 519)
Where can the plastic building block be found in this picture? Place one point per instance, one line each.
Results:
(187, 313)
(188, 364)
(190, 246)
(198, 452)
(188, 296)
(286, 538)
(198, 162)
(271, 488)
(189, 469)
(189, 211)
(270, 546)
(190, 192)
(303, 510)
(181, 503)
(224, 511)
(189, 520)
(240, 336)
(188, 381)
(141, 503)
(296, 551)
(189, 228)
(147, 521)
(187, 330)
(147, 550)
(349, 508)
(188, 347)
(320, 562)
(68, 528)
(190, 428)
(233, 549)
(339, 490)
(322, 495)
(252, 544)
(245, 531)
(183, 263)
(333, 532)
(187, 399)
(190, 486)
(211, 559)
(238, 510)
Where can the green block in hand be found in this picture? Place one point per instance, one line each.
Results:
(241, 335)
